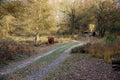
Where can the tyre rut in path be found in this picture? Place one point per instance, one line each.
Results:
(26, 62)
(44, 71)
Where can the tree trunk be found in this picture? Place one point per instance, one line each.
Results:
(102, 32)
(36, 39)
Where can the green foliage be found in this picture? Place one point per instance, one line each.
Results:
(110, 39)
(115, 29)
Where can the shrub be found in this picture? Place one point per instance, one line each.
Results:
(81, 49)
(101, 50)
(9, 50)
(110, 39)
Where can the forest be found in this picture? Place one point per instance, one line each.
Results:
(41, 30)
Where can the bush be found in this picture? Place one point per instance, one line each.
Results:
(110, 39)
(9, 50)
(101, 50)
(81, 49)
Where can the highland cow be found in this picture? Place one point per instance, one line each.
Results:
(51, 40)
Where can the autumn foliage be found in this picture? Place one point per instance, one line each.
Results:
(9, 50)
(104, 50)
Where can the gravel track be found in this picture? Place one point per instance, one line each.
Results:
(50, 67)
(22, 64)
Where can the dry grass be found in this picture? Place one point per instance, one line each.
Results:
(105, 51)
(42, 39)
(101, 49)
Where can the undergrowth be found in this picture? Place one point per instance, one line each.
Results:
(106, 49)
(11, 50)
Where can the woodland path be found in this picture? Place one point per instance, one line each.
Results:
(50, 67)
(31, 60)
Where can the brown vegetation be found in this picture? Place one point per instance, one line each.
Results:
(10, 49)
(104, 50)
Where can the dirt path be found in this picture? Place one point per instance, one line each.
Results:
(42, 72)
(22, 64)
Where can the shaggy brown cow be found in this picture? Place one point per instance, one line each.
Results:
(51, 40)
